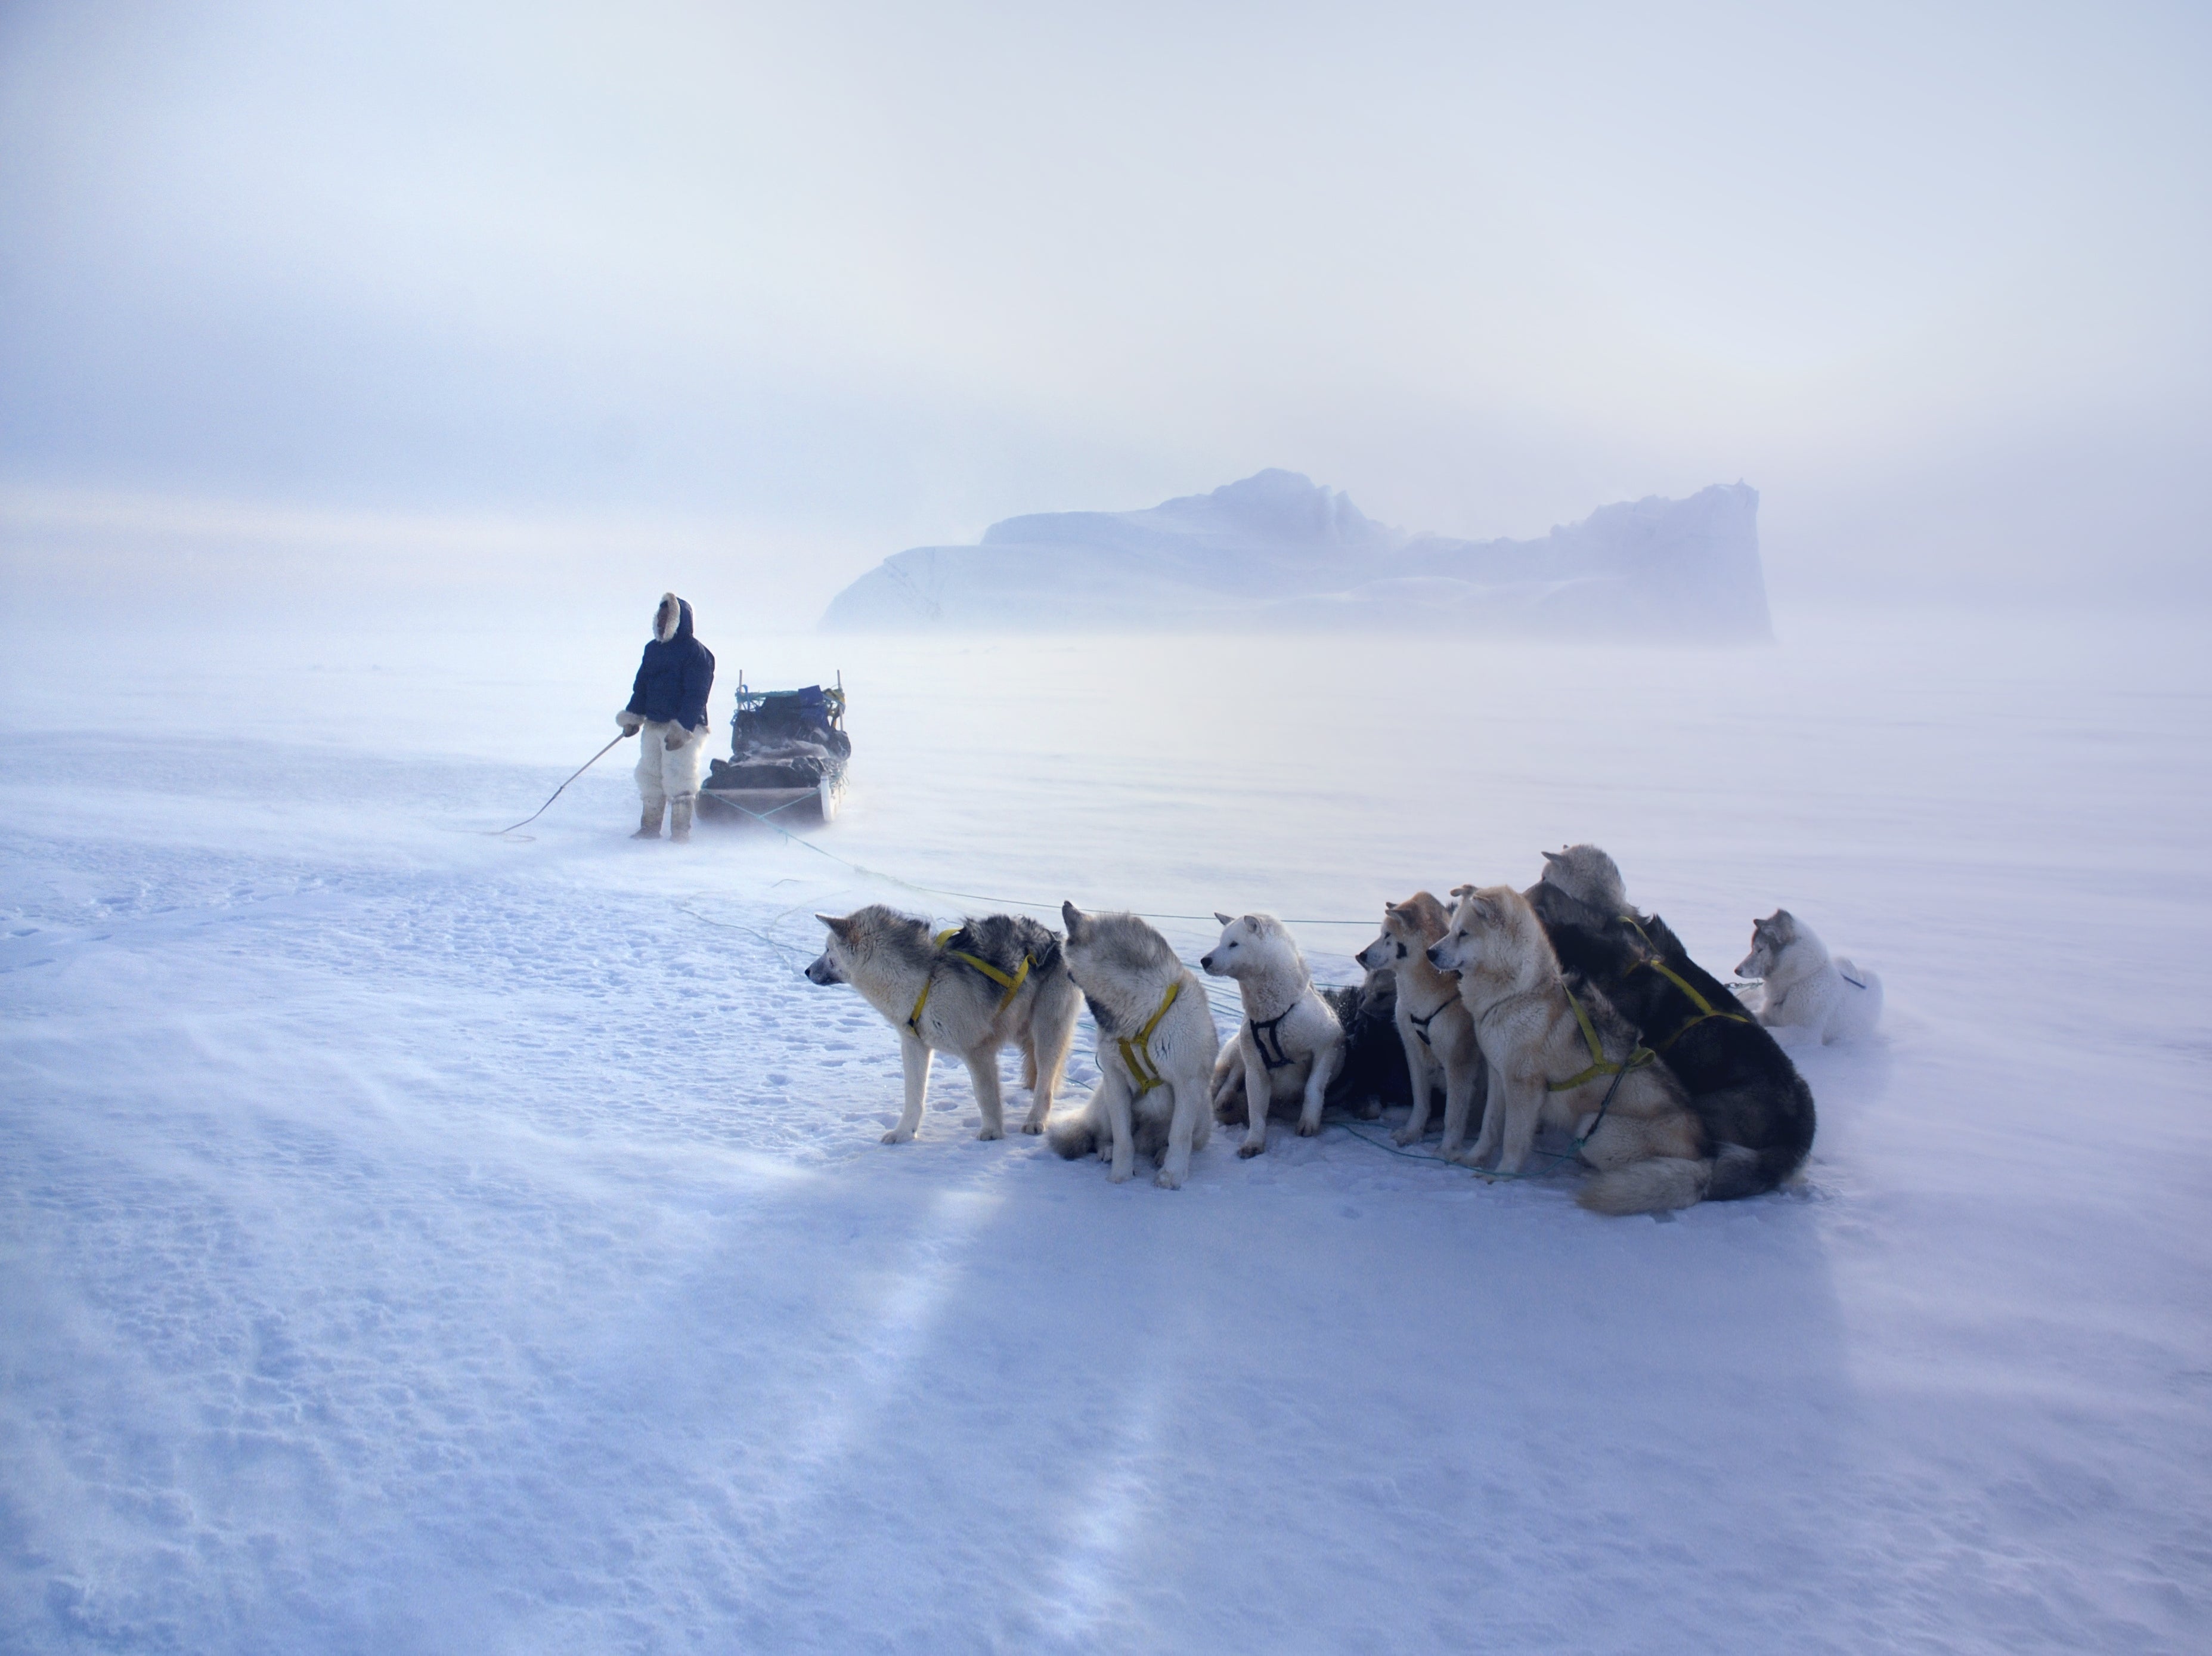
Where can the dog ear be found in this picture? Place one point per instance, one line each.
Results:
(1072, 917)
(1461, 891)
(1223, 919)
(839, 924)
(1252, 920)
(1389, 908)
(1555, 856)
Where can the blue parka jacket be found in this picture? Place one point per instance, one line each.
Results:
(677, 671)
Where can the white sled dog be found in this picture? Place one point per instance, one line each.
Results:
(1560, 1056)
(971, 990)
(1156, 1049)
(1433, 1022)
(1290, 1046)
(1809, 992)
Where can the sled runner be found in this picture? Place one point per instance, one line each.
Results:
(788, 754)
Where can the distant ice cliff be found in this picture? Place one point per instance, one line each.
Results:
(1277, 551)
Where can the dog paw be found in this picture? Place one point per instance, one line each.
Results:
(896, 1137)
(1168, 1181)
(1251, 1148)
(1308, 1128)
(1032, 1127)
(1117, 1175)
(991, 1132)
(1406, 1135)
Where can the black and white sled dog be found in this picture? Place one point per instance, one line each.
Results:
(1290, 1046)
(1433, 1026)
(1156, 1044)
(1756, 1109)
(1558, 1054)
(1808, 992)
(987, 983)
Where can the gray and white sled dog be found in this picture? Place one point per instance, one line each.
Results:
(1156, 1044)
(983, 986)
(1587, 874)
(1290, 1046)
(1808, 992)
(1434, 1021)
(1560, 1056)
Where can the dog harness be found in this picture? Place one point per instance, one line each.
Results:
(1600, 1064)
(1278, 1059)
(1137, 1053)
(1012, 982)
(1705, 1008)
(1421, 1025)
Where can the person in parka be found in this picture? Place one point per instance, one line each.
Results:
(668, 704)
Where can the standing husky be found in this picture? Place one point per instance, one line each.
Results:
(1559, 1055)
(1433, 1022)
(971, 990)
(1807, 990)
(1291, 1044)
(1756, 1108)
(1156, 1048)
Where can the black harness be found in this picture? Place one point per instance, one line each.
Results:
(1278, 1059)
(1421, 1025)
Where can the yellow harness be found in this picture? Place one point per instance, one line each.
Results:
(1012, 982)
(1705, 1008)
(1600, 1064)
(1137, 1054)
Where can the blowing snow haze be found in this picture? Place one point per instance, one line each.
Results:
(426, 303)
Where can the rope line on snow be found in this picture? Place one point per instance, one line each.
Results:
(494, 833)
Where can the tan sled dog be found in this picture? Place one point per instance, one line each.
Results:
(1433, 1022)
(1156, 1049)
(986, 984)
(1560, 1056)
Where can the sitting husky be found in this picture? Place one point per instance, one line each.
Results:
(1809, 992)
(1756, 1109)
(1559, 1055)
(1290, 1046)
(1156, 1048)
(971, 990)
(1434, 1024)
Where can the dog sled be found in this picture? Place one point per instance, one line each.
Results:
(788, 757)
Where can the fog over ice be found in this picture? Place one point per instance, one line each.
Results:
(421, 302)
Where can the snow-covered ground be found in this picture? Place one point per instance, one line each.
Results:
(415, 1240)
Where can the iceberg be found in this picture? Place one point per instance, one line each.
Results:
(1278, 551)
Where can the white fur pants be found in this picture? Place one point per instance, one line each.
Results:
(663, 775)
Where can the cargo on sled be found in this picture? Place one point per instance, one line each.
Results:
(788, 755)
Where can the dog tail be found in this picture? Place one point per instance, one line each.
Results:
(1738, 1171)
(1648, 1187)
(1072, 1134)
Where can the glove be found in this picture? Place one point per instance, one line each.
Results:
(678, 735)
(629, 721)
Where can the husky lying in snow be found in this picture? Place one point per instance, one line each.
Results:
(1290, 1046)
(1433, 1024)
(1756, 1109)
(1808, 991)
(1559, 1055)
(973, 990)
(1156, 1048)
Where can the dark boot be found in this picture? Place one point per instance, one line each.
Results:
(650, 827)
(679, 818)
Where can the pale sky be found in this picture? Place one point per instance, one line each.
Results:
(796, 287)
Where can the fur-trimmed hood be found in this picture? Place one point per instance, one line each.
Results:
(671, 622)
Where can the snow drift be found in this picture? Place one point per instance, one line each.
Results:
(1277, 550)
